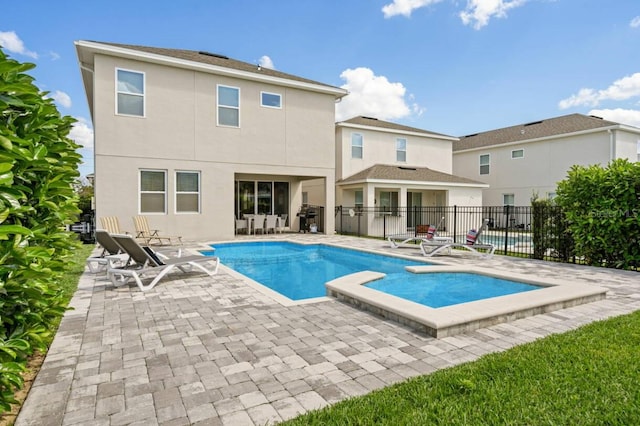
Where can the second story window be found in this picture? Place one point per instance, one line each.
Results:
(228, 106)
(517, 153)
(130, 93)
(401, 150)
(485, 160)
(270, 100)
(356, 145)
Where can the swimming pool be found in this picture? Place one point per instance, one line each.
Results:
(448, 288)
(300, 271)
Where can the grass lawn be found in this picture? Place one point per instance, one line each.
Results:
(590, 376)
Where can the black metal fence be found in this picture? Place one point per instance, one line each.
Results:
(514, 230)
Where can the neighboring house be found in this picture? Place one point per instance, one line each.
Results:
(520, 161)
(194, 139)
(388, 167)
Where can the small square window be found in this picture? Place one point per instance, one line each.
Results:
(270, 100)
(517, 153)
(508, 199)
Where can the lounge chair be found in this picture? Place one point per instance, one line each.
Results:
(111, 225)
(426, 233)
(472, 243)
(149, 262)
(111, 256)
(149, 235)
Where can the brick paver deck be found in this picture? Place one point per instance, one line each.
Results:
(215, 351)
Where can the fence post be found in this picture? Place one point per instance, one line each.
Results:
(506, 232)
(455, 222)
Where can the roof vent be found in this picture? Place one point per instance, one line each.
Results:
(532, 123)
(407, 168)
(470, 136)
(370, 118)
(595, 116)
(215, 55)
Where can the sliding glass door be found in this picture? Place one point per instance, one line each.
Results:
(261, 197)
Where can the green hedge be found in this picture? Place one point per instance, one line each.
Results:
(38, 166)
(602, 209)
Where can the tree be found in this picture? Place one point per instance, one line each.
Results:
(38, 166)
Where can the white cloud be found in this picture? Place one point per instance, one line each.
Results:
(635, 22)
(266, 62)
(405, 7)
(82, 133)
(478, 12)
(54, 55)
(374, 96)
(62, 99)
(630, 117)
(625, 88)
(12, 43)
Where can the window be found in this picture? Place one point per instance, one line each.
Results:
(359, 199)
(484, 164)
(270, 100)
(130, 93)
(356, 145)
(305, 197)
(389, 202)
(187, 192)
(517, 153)
(508, 199)
(401, 150)
(228, 106)
(153, 184)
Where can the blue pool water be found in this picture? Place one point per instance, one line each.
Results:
(300, 271)
(448, 288)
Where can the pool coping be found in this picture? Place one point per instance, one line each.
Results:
(464, 317)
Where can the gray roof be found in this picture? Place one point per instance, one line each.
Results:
(538, 129)
(374, 122)
(407, 173)
(214, 59)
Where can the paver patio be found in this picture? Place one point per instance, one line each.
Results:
(199, 350)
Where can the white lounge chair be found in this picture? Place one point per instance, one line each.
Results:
(430, 233)
(111, 256)
(149, 262)
(473, 244)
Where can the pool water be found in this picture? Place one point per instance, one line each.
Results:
(440, 289)
(300, 271)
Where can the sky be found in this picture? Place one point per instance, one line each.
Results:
(449, 66)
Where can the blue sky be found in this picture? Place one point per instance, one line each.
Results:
(450, 66)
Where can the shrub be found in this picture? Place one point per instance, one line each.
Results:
(38, 165)
(550, 231)
(602, 207)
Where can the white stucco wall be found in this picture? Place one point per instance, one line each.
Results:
(544, 163)
(179, 132)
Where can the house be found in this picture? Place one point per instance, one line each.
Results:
(388, 167)
(194, 139)
(528, 159)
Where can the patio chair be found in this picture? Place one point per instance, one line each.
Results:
(148, 235)
(111, 255)
(111, 224)
(425, 233)
(149, 262)
(472, 243)
(258, 223)
(242, 224)
(271, 223)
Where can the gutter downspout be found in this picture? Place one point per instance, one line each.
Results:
(612, 145)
